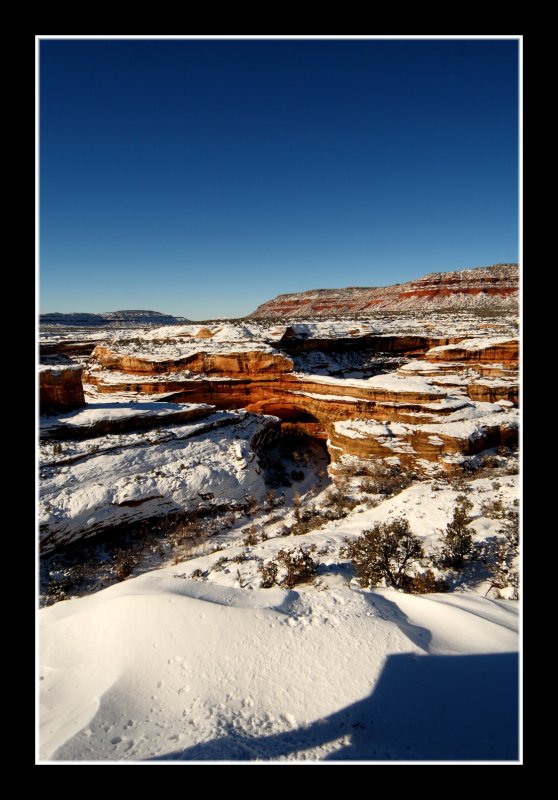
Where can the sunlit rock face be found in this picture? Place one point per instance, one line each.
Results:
(60, 388)
(481, 288)
(447, 398)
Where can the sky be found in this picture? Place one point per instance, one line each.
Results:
(202, 177)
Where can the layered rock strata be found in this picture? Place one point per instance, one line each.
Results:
(60, 388)
(433, 391)
(483, 288)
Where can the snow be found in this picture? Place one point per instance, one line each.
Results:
(180, 346)
(361, 429)
(98, 411)
(465, 423)
(471, 428)
(389, 383)
(142, 478)
(447, 403)
(163, 667)
(59, 368)
(473, 344)
(330, 397)
(166, 667)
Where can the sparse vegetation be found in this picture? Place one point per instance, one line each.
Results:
(385, 554)
(288, 568)
(198, 575)
(124, 562)
(505, 564)
(251, 537)
(339, 500)
(457, 541)
(493, 509)
(426, 583)
(251, 505)
(380, 478)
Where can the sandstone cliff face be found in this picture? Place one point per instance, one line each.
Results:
(483, 351)
(317, 407)
(413, 444)
(60, 388)
(493, 391)
(239, 363)
(483, 287)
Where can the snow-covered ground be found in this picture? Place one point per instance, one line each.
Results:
(119, 478)
(223, 334)
(162, 667)
(185, 655)
(166, 666)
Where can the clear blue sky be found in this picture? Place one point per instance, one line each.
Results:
(202, 178)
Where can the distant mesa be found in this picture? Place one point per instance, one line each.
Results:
(481, 288)
(111, 318)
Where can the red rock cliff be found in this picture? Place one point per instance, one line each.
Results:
(60, 388)
(483, 287)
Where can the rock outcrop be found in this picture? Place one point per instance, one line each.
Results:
(60, 388)
(295, 343)
(249, 362)
(483, 288)
(494, 391)
(425, 410)
(483, 351)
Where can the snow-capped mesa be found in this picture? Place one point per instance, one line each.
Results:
(272, 540)
(494, 288)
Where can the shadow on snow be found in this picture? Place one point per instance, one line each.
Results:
(422, 708)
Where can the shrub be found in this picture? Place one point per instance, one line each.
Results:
(504, 571)
(289, 568)
(457, 542)
(385, 553)
(198, 574)
(308, 520)
(251, 537)
(124, 563)
(271, 499)
(381, 478)
(426, 583)
(252, 505)
(268, 572)
(220, 563)
(339, 502)
(493, 509)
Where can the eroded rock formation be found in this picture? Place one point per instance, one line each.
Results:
(483, 287)
(483, 351)
(249, 362)
(424, 410)
(60, 388)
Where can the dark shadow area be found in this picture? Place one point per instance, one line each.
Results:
(423, 708)
(118, 552)
(294, 456)
(419, 636)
